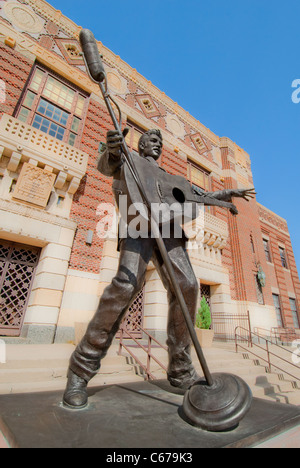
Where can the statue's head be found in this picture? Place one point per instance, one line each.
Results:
(150, 144)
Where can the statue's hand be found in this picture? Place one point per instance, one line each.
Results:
(246, 194)
(114, 142)
(233, 209)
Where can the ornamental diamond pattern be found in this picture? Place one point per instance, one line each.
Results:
(134, 317)
(17, 268)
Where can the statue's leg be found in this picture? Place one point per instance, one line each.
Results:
(135, 255)
(181, 372)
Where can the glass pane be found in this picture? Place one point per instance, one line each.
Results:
(46, 126)
(53, 112)
(197, 177)
(72, 139)
(59, 93)
(80, 105)
(267, 250)
(136, 136)
(23, 115)
(283, 257)
(128, 137)
(28, 101)
(278, 309)
(37, 121)
(37, 79)
(64, 118)
(42, 107)
(53, 130)
(49, 111)
(75, 125)
(60, 133)
(294, 313)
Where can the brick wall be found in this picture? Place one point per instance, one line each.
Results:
(14, 71)
(244, 251)
(94, 189)
(285, 281)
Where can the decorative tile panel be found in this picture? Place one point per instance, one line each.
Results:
(147, 105)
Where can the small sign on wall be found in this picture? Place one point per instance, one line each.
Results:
(34, 185)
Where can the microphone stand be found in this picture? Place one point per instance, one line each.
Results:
(154, 227)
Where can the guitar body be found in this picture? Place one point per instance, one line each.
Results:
(171, 196)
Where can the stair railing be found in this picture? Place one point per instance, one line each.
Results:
(270, 354)
(148, 350)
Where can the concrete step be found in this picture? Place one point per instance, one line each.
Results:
(60, 383)
(31, 368)
(34, 368)
(222, 357)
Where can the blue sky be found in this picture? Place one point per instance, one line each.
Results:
(230, 64)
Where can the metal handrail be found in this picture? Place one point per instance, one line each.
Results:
(270, 353)
(146, 368)
(284, 334)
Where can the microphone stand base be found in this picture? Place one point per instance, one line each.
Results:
(218, 407)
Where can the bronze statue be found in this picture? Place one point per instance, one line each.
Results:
(217, 401)
(135, 255)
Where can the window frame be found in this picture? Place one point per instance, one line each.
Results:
(278, 309)
(283, 257)
(266, 245)
(130, 137)
(295, 313)
(191, 164)
(38, 89)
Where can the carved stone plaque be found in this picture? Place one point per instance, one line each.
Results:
(34, 185)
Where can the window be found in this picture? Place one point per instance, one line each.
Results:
(283, 257)
(294, 312)
(198, 177)
(277, 306)
(259, 291)
(267, 250)
(133, 136)
(53, 106)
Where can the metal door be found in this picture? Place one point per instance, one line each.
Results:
(18, 263)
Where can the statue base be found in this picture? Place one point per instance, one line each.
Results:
(137, 415)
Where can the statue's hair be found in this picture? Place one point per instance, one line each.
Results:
(147, 135)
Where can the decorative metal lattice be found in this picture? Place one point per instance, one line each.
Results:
(17, 269)
(134, 317)
(205, 291)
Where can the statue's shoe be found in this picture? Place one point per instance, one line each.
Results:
(184, 382)
(75, 396)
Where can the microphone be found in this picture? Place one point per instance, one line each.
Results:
(91, 54)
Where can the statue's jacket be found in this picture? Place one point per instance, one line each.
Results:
(114, 166)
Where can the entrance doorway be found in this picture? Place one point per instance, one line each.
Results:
(18, 264)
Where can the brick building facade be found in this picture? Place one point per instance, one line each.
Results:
(51, 195)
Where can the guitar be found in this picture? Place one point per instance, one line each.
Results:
(171, 195)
